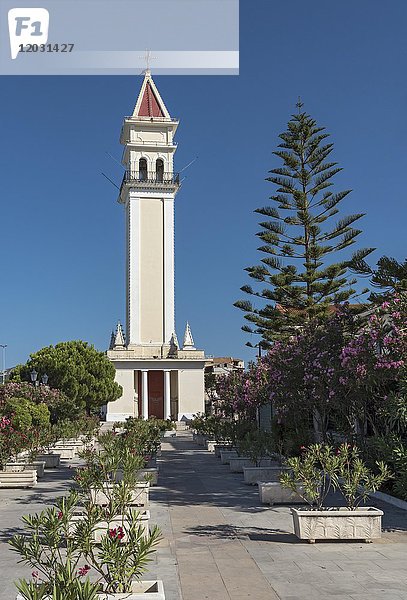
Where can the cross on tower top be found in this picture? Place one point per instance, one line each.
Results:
(148, 57)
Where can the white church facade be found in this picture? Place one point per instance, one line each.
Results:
(159, 378)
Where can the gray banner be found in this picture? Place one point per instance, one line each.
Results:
(84, 37)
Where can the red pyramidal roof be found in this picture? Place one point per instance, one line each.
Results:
(149, 105)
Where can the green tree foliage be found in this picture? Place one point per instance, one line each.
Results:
(298, 237)
(24, 414)
(76, 368)
(390, 276)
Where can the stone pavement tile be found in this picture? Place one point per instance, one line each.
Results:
(338, 597)
(302, 590)
(337, 587)
(383, 595)
(317, 565)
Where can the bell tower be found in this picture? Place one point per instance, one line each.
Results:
(148, 191)
(158, 377)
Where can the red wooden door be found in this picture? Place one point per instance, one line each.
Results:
(156, 394)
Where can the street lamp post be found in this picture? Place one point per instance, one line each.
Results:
(4, 346)
(34, 378)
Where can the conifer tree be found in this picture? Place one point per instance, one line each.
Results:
(302, 275)
(390, 277)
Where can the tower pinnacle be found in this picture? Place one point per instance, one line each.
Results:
(188, 343)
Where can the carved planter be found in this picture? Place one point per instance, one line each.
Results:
(210, 445)
(148, 475)
(237, 465)
(51, 460)
(218, 448)
(272, 492)
(36, 465)
(64, 452)
(337, 524)
(139, 496)
(141, 590)
(20, 479)
(103, 527)
(254, 474)
(226, 455)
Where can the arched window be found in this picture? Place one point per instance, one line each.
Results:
(143, 169)
(159, 170)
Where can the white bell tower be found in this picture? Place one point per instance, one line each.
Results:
(157, 376)
(148, 191)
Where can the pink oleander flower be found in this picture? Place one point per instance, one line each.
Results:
(83, 570)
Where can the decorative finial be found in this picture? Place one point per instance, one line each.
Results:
(119, 341)
(112, 341)
(148, 57)
(174, 345)
(299, 104)
(188, 339)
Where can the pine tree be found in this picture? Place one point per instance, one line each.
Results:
(390, 276)
(299, 239)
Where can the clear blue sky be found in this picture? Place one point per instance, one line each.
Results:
(62, 235)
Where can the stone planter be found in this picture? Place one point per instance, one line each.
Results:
(139, 496)
(238, 464)
(218, 448)
(103, 527)
(75, 445)
(38, 465)
(226, 455)
(141, 590)
(20, 479)
(170, 433)
(254, 474)
(149, 475)
(64, 452)
(272, 492)
(337, 524)
(199, 439)
(51, 460)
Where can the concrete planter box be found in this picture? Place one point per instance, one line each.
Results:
(103, 527)
(218, 448)
(199, 439)
(272, 492)
(337, 524)
(254, 474)
(64, 452)
(139, 496)
(75, 445)
(141, 590)
(20, 479)
(170, 433)
(36, 465)
(150, 472)
(238, 464)
(51, 460)
(226, 455)
(149, 475)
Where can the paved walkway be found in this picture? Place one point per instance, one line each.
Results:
(219, 543)
(226, 546)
